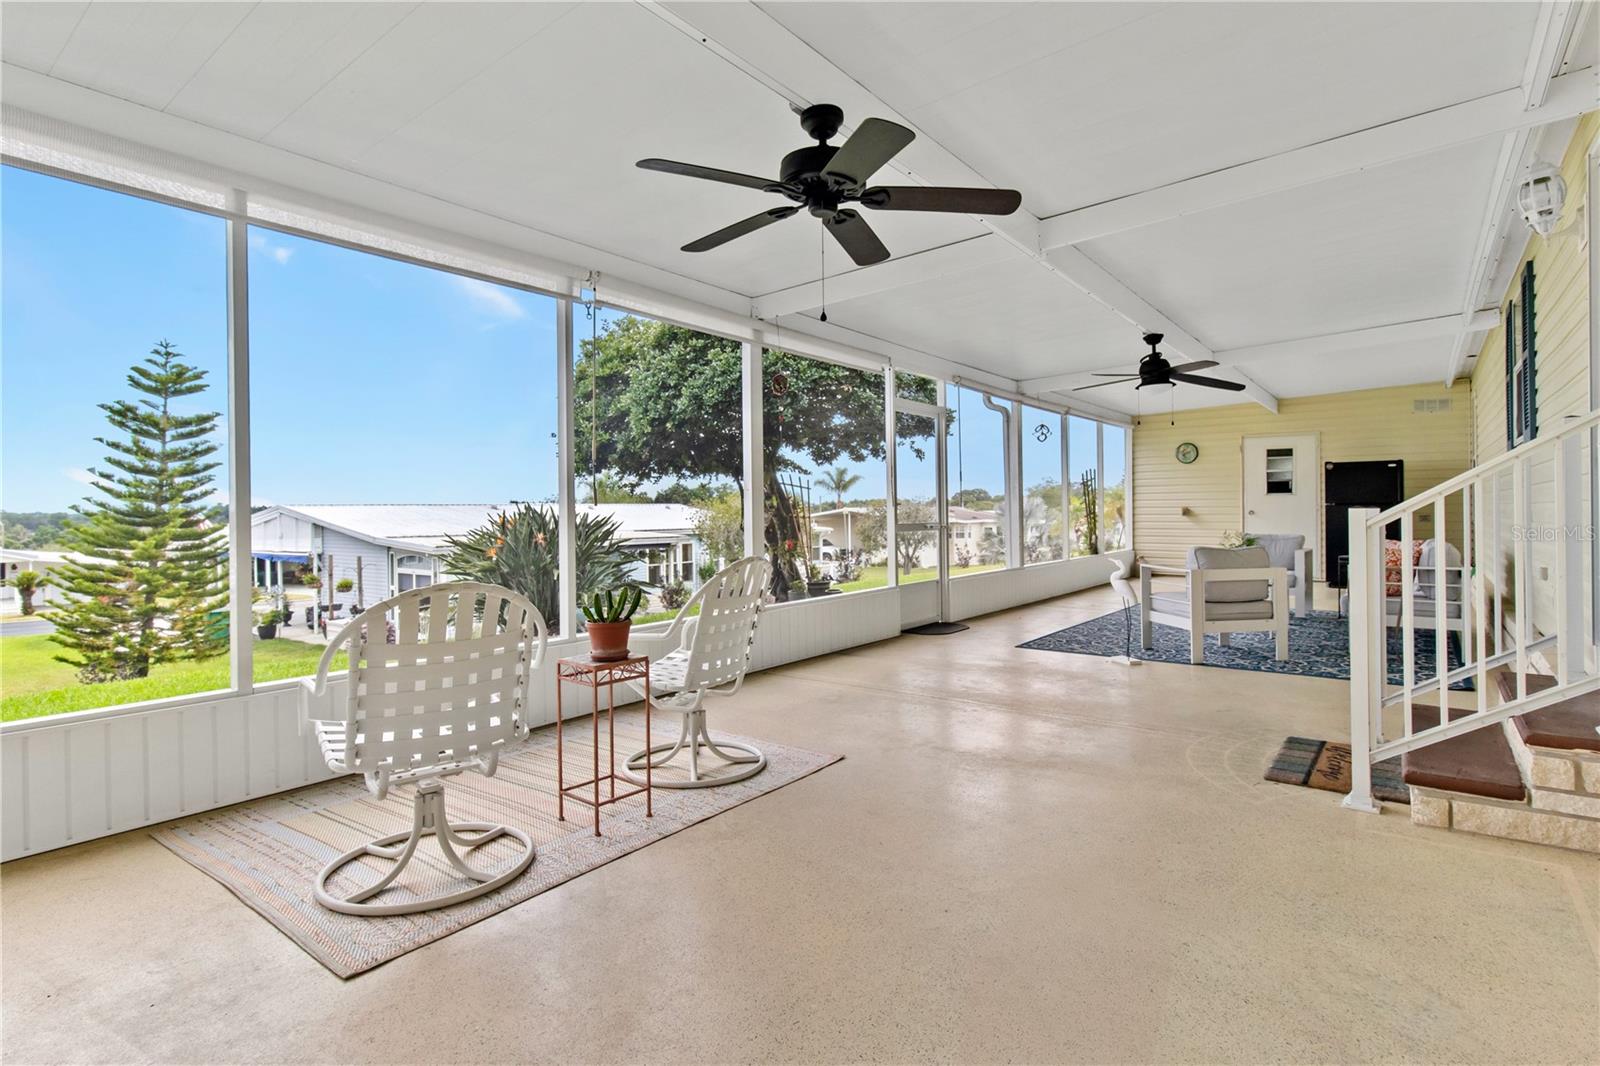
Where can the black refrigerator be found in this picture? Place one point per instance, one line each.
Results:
(1378, 483)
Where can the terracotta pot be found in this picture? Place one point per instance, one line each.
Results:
(608, 641)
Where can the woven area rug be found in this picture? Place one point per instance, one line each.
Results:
(266, 852)
(1319, 646)
(1326, 765)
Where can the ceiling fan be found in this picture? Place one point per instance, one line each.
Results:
(822, 177)
(1155, 370)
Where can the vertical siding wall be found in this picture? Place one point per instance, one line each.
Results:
(70, 779)
(1370, 424)
(1561, 370)
(1561, 307)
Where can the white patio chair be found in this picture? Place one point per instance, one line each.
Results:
(446, 697)
(1227, 591)
(708, 656)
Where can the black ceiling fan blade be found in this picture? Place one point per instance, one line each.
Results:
(872, 145)
(1099, 384)
(1189, 368)
(856, 238)
(740, 228)
(1210, 383)
(942, 198)
(695, 170)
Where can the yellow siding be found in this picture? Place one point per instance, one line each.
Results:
(1371, 424)
(1561, 308)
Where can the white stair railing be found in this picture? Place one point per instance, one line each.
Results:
(1508, 580)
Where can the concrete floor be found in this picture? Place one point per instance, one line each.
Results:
(1025, 856)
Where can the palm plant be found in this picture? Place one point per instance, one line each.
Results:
(839, 481)
(27, 582)
(520, 550)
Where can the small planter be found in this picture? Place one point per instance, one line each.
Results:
(608, 641)
(817, 588)
(267, 632)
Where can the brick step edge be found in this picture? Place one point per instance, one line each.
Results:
(1505, 819)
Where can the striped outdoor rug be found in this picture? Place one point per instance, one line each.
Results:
(266, 852)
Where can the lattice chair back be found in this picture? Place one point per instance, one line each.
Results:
(447, 694)
(724, 632)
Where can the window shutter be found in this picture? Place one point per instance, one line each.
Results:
(1530, 392)
(1511, 375)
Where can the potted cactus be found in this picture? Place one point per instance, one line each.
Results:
(608, 617)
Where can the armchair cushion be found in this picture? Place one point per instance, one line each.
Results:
(1232, 559)
(1225, 611)
(1281, 548)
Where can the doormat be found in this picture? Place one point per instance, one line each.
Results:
(1325, 765)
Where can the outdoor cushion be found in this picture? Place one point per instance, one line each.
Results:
(1281, 548)
(1227, 611)
(1232, 559)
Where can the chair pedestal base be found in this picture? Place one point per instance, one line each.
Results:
(693, 737)
(428, 820)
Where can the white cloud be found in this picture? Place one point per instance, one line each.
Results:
(79, 474)
(278, 253)
(490, 299)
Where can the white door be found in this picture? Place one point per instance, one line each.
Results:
(1282, 489)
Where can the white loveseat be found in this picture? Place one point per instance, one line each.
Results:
(1289, 551)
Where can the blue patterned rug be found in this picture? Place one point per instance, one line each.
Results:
(1319, 646)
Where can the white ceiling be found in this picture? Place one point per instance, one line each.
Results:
(535, 113)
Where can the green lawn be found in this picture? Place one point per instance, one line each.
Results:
(876, 577)
(32, 683)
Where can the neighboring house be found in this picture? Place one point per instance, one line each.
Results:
(968, 528)
(15, 560)
(389, 548)
(836, 531)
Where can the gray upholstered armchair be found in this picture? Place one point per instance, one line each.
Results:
(1229, 590)
(1289, 551)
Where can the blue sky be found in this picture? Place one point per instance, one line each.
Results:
(372, 381)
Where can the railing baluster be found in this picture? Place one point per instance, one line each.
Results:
(1519, 564)
(1569, 560)
(1408, 650)
(1441, 608)
(1480, 589)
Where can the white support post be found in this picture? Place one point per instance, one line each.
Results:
(941, 509)
(1099, 486)
(1066, 494)
(241, 565)
(890, 505)
(1408, 618)
(566, 458)
(755, 484)
(1362, 703)
(1521, 526)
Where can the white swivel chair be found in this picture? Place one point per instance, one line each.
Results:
(447, 696)
(704, 655)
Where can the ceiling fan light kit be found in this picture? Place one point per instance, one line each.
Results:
(822, 178)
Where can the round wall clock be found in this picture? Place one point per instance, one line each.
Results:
(1187, 453)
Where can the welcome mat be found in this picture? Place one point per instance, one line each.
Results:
(1326, 765)
(1319, 646)
(266, 852)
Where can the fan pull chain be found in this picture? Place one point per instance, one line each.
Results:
(822, 257)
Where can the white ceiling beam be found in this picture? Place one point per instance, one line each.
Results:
(1551, 40)
(956, 258)
(1095, 281)
(1252, 389)
(1568, 96)
(1325, 344)
(1551, 37)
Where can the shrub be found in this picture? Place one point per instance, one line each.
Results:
(674, 596)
